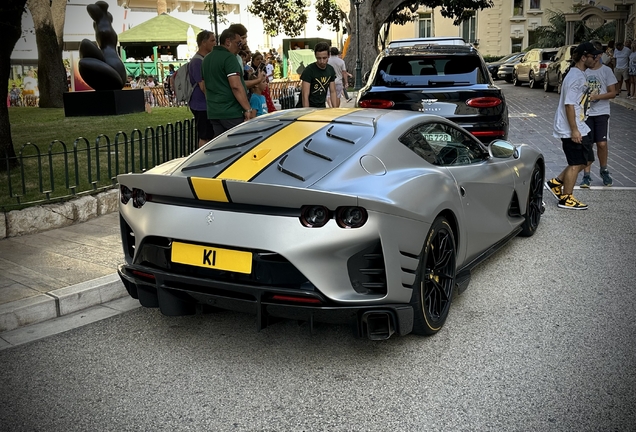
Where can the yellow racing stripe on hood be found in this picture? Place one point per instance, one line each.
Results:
(209, 189)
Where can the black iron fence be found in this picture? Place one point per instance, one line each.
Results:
(59, 171)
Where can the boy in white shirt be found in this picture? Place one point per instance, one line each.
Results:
(570, 126)
(602, 84)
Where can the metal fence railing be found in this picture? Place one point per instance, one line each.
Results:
(60, 171)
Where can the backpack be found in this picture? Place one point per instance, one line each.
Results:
(183, 86)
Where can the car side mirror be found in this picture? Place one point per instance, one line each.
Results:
(501, 149)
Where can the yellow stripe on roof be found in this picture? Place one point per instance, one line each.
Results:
(328, 114)
(209, 189)
(260, 157)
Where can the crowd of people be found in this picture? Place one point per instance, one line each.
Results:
(620, 57)
(231, 83)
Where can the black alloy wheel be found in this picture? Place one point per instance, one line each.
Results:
(435, 281)
(534, 207)
(515, 79)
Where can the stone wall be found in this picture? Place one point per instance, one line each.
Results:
(42, 218)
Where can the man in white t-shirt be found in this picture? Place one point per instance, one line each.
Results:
(570, 126)
(341, 73)
(621, 57)
(602, 83)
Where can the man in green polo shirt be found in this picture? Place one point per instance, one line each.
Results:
(226, 94)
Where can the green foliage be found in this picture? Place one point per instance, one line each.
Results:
(221, 11)
(330, 14)
(553, 35)
(281, 16)
(491, 58)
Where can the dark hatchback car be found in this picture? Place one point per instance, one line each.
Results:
(449, 81)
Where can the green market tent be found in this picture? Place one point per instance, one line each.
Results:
(160, 30)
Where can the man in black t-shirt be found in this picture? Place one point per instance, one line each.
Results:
(317, 78)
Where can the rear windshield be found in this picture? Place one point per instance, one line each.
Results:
(429, 71)
(547, 55)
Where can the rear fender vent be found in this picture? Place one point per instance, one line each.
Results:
(127, 238)
(367, 272)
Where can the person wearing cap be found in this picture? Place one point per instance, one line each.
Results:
(602, 83)
(570, 126)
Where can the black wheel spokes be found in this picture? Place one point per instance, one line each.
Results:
(438, 278)
(536, 199)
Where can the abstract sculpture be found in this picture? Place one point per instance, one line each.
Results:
(100, 66)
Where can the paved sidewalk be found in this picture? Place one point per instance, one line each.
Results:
(59, 272)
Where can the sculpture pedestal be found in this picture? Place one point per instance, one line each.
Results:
(103, 102)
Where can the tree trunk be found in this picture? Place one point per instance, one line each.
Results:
(372, 13)
(51, 72)
(10, 31)
(58, 14)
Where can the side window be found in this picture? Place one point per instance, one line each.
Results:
(443, 145)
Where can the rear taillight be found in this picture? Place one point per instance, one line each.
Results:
(484, 102)
(351, 217)
(490, 133)
(125, 194)
(376, 103)
(314, 216)
(543, 65)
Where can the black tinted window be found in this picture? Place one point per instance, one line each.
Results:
(429, 71)
(442, 144)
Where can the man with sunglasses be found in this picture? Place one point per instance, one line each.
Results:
(570, 126)
(226, 94)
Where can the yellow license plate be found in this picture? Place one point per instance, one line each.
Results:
(210, 257)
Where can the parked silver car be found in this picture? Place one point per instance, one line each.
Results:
(532, 67)
(372, 217)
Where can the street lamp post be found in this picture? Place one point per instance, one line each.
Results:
(358, 84)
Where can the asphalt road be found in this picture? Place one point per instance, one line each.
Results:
(544, 339)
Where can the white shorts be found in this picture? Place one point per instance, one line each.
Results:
(338, 91)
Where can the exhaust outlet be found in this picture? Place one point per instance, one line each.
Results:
(378, 325)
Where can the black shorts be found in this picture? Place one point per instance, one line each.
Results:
(204, 127)
(578, 154)
(223, 125)
(599, 127)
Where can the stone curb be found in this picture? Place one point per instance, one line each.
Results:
(41, 218)
(60, 302)
(627, 103)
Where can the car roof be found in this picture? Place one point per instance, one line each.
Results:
(446, 40)
(431, 49)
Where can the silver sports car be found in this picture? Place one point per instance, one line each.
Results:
(374, 217)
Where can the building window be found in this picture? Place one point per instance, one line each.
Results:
(516, 44)
(535, 4)
(517, 8)
(425, 25)
(469, 29)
